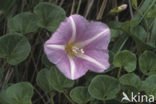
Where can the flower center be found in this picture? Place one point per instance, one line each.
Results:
(71, 49)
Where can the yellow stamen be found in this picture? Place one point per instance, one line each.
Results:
(71, 49)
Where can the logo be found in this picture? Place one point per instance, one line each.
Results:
(137, 98)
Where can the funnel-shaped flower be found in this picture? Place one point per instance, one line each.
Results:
(78, 46)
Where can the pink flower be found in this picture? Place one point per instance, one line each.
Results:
(123, 6)
(78, 46)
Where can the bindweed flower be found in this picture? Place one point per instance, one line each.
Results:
(123, 6)
(118, 9)
(78, 46)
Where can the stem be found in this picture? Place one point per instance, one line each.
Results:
(89, 6)
(52, 94)
(78, 8)
(131, 10)
(73, 6)
(119, 72)
(122, 44)
(68, 98)
(102, 8)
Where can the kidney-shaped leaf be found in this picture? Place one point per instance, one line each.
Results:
(149, 85)
(23, 23)
(80, 95)
(3, 98)
(43, 80)
(147, 63)
(15, 48)
(59, 81)
(45, 61)
(20, 93)
(104, 87)
(152, 41)
(125, 59)
(131, 80)
(49, 15)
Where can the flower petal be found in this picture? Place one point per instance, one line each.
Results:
(73, 28)
(63, 34)
(72, 67)
(54, 46)
(97, 35)
(81, 26)
(97, 59)
(69, 30)
(54, 52)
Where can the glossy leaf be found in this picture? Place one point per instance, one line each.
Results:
(59, 81)
(147, 63)
(149, 85)
(4, 98)
(104, 87)
(20, 93)
(15, 48)
(152, 41)
(115, 34)
(131, 80)
(23, 23)
(129, 25)
(45, 61)
(49, 15)
(125, 59)
(43, 80)
(144, 9)
(152, 13)
(140, 33)
(80, 95)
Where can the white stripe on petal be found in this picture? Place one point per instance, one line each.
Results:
(74, 29)
(72, 67)
(86, 42)
(62, 47)
(92, 60)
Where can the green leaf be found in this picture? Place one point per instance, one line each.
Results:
(3, 98)
(43, 80)
(23, 23)
(119, 43)
(49, 15)
(115, 24)
(140, 33)
(149, 85)
(152, 41)
(59, 81)
(115, 34)
(15, 48)
(131, 80)
(147, 63)
(128, 25)
(144, 9)
(152, 13)
(80, 95)
(104, 87)
(125, 59)
(5, 5)
(20, 93)
(45, 61)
